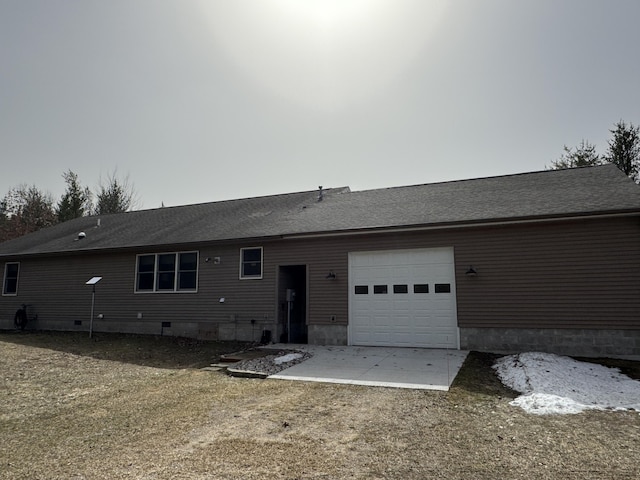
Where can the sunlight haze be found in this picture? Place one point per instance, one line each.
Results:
(205, 100)
(323, 55)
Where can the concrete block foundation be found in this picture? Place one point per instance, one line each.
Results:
(573, 342)
(327, 334)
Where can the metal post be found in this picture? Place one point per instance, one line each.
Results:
(289, 322)
(93, 301)
(92, 282)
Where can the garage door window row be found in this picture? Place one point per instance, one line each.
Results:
(403, 288)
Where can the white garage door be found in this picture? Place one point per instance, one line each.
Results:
(403, 298)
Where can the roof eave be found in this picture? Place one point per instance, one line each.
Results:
(469, 224)
(340, 232)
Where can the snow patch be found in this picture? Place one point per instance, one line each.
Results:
(290, 357)
(553, 384)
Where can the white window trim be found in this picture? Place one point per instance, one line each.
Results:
(252, 277)
(176, 273)
(4, 280)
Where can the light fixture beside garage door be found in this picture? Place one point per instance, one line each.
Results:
(471, 272)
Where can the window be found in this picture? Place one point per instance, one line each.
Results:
(443, 288)
(421, 288)
(362, 289)
(167, 272)
(380, 289)
(166, 268)
(10, 284)
(400, 289)
(251, 262)
(146, 272)
(188, 271)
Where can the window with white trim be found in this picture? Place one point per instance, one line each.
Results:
(10, 281)
(167, 272)
(251, 262)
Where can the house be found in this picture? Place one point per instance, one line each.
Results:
(537, 261)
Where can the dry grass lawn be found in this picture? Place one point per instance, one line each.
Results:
(136, 407)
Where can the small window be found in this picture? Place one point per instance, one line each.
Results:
(421, 288)
(188, 271)
(166, 271)
(10, 284)
(401, 289)
(380, 289)
(442, 288)
(362, 289)
(146, 269)
(251, 262)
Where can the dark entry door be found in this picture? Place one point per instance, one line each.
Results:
(292, 299)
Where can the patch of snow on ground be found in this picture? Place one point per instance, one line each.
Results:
(553, 384)
(290, 357)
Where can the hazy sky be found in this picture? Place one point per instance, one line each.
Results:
(201, 100)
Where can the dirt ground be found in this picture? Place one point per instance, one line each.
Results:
(133, 407)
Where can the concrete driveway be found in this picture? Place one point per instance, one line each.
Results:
(418, 368)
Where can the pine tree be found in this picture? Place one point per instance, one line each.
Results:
(116, 196)
(582, 156)
(76, 201)
(624, 149)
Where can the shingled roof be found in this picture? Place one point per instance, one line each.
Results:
(539, 195)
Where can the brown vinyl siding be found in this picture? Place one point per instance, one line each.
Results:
(578, 274)
(583, 274)
(572, 274)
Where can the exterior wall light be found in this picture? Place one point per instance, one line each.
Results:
(331, 276)
(471, 272)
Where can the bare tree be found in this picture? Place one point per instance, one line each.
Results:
(25, 209)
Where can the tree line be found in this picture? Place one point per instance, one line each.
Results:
(26, 208)
(623, 150)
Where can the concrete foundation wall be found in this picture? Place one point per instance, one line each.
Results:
(328, 334)
(574, 342)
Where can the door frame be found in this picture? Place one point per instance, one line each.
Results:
(292, 276)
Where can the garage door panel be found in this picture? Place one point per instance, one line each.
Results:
(402, 317)
(399, 274)
(402, 323)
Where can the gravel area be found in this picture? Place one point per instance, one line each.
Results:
(272, 363)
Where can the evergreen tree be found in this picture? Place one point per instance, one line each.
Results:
(76, 201)
(116, 196)
(624, 149)
(582, 156)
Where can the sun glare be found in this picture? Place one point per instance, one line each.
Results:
(328, 14)
(323, 54)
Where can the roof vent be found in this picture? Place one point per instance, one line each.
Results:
(320, 193)
(81, 235)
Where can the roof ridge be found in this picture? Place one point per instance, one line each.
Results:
(490, 177)
(344, 189)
